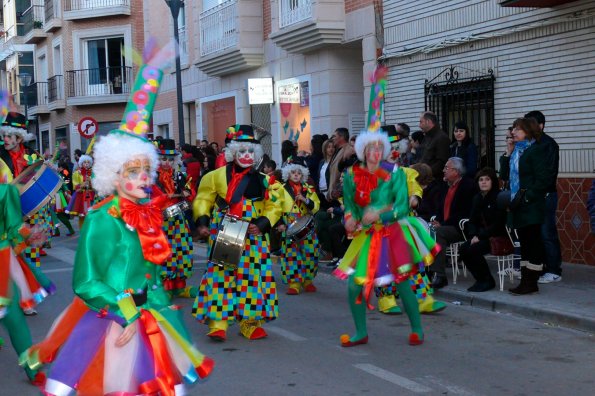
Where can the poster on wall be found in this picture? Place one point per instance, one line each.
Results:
(260, 91)
(294, 106)
(289, 93)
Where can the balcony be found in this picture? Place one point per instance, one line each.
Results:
(183, 40)
(33, 19)
(53, 21)
(85, 9)
(231, 38)
(534, 3)
(101, 85)
(56, 99)
(307, 25)
(37, 98)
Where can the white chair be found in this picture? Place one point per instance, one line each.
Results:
(505, 263)
(452, 252)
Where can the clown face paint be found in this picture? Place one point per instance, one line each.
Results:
(374, 153)
(245, 157)
(134, 178)
(11, 142)
(86, 164)
(166, 162)
(295, 176)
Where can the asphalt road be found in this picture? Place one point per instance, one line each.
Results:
(467, 351)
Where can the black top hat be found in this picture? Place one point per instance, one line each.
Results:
(391, 131)
(15, 120)
(296, 160)
(167, 147)
(240, 133)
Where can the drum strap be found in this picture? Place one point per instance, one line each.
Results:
(237, 186)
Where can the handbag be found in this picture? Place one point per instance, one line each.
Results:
(501, 246)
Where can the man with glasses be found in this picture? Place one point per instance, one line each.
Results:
(456, 206)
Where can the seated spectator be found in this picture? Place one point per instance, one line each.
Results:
(456, 205)
(433, 191)
(463, 147)
(486, 220)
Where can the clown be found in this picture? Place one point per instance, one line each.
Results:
(419, 281)
(172, 184)
(299, 258)
(84, 196)
(246, 294)
(387, 243)
(121, 335)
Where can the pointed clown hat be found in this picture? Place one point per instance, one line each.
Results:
(112, 151)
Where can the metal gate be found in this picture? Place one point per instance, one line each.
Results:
(469, 99)
(261, 122)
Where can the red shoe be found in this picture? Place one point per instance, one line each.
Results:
(217, 335)
(310, 288)
(258, 333)
(39, 380)
(42, 253)
(348, 343)
(292, 291)
(415, 339)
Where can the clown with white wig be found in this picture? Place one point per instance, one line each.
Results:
(83, 196)
(299, 253)
(420, 284)
(121, 335)
(387, 243)
(245, 292)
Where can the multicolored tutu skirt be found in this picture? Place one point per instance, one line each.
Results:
(81, 202)
(81, 345)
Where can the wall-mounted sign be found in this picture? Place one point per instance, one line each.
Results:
(88, 127)
(289, 93)
(260, 91)
(304, 94)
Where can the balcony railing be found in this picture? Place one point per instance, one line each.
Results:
(294, 11)
(55, 88)
(37, 94)
(182, 36)
(49, 9)
(218, 29)
(79, 5)
(100, 81)
(33, 17)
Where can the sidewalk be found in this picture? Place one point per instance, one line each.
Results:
(568, 303)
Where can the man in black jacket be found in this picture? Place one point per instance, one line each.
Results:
(456, 206)
(436, 145)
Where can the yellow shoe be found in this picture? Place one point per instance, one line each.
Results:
(251, 329)
(429, 305)
(218, 330)
(189, 292)
(388, 305)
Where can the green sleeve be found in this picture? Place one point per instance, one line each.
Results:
(349, 195)
(13, 218)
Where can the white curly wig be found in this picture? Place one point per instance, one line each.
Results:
(286, 170)
(111, 152)
(233, 147)
(84, 158)
(367, 137)
(10, 130)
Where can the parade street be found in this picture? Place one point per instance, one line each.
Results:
(467, 351)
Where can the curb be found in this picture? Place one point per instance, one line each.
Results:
(546, 316)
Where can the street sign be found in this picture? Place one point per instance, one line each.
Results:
(88, 127)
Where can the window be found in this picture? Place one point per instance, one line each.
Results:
(105, 61)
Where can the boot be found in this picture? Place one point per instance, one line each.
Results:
(528, 283)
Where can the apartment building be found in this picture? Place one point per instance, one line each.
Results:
(76, 54)
(293, 68)
(490, 62)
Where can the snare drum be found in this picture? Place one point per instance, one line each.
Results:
(37, 185)
(301, 228)
(229, 244)
(177, 209)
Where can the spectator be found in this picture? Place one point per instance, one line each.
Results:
(314, 159)
(487, 220)
(344, 155)
(208, 164)
(415, 147)
(435, 145)
(192, 163)
(463, 147)
(77, 156)
(352, 140)
(455, 205)
(403, 129)
(549, 232)
(268, 167)
(433, 191)
(529, 180)
(288, 149)
(215, 147)
(204, 144)
(328, 149)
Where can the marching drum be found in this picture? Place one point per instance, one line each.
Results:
(229, 244)
(176, 209)
(301, 228)
(37, 185)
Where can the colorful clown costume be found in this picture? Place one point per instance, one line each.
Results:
(299, 258)
(118, 283)
(248, 293)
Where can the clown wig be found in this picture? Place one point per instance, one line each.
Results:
(10, 130)
(233, 147)
(112, 152)
(366, 138)
(287, 169)
(84, 158)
